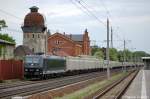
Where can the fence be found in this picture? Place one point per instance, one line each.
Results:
(11, 69)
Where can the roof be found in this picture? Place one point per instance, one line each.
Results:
(56, 34)
(145, 58)
(22, 50)
(34, 22)
(75, 37)
(6, 42)
(34, 7)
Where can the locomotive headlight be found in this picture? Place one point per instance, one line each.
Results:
(26, 69)
(37, 69)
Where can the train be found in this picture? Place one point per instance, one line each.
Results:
(44, 66)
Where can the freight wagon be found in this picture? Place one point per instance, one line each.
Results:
(43, 66)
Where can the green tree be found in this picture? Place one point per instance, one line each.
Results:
(128, 55)
(2, 24)
(113, 54)
(99, 54)
(94, 49)
(120, 56)
(7, 38)
(138, 54)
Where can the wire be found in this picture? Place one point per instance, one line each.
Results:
(105, 7)
(80, 8)
(91, 14)
(10, 14)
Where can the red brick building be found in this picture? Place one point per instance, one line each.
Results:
(69, 45)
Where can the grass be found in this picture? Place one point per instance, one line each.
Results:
(80, 94)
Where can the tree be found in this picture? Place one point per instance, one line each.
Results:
(128, 55)
(120, 56)
(94, 49)
(6, 37)
(138, 54)
(2, 24)
(99, 54)
(113, 54)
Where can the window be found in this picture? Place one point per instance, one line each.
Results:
(33, 50)
(32, 35)
(57, 42)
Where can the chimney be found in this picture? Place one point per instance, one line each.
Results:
(70, 36)
(64, 33)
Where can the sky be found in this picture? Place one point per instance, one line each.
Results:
(130, 19)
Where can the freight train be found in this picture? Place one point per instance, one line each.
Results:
(51, 66)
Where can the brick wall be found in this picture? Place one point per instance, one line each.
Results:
(58, 44)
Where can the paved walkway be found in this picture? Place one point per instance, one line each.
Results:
(140, 87)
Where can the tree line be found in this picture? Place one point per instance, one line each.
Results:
(118, 55)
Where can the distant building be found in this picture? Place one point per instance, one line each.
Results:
(39, 40)
(69, 45)
(6, 49)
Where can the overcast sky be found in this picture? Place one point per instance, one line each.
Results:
(130, 19)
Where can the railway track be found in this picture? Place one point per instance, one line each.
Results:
(23, 83)
(28, 89)
(44, 86)
(116, 89)
(15, 84)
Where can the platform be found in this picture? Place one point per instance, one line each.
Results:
(140, 87)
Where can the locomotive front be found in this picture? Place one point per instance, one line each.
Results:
(33, 66)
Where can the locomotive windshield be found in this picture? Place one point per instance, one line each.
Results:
(32, 61)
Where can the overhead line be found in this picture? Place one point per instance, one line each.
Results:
(107, 11)
(80, 8)
(7, 13)
(91, 13)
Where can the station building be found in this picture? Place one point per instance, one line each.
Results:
(37, 38)
(146, 61)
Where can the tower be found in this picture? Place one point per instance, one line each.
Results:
(86, 43)
(34, 31)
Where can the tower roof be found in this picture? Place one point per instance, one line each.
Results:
(34, 18)
(34, 9)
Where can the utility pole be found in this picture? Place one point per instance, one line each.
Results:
(107, 50)
(124, 55)
(111, 37)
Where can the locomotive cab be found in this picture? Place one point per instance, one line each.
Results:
(41, 65)
(33, 66)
